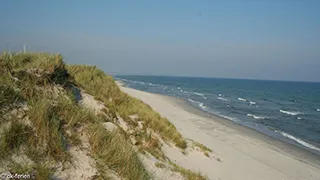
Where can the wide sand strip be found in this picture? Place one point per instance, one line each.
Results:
(240, 153)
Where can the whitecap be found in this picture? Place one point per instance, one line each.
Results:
(292, 113)
(204, 97)
(318, 110)
(299, 118)
(254, 116)
(202, 106)
(252, 103)
(194, 101)
(241, 99)
(230, 118)
(300, 141)
(188, 92)
(223, 99)
(180, 89)
(199, 94)
(220, 95)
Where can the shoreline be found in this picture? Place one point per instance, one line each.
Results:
(235, 144)
(281, 146)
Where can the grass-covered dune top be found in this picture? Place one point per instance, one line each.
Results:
(44, 127)
(104, 88)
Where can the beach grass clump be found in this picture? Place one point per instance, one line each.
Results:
(104, 88)
(188, 174)
(12, 137)
(73, 114)
(39, 171)
(49, 134)
(111, 149)
(202, 147)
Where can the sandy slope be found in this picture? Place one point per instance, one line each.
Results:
(243, 154)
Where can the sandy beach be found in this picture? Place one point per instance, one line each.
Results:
(240, 153)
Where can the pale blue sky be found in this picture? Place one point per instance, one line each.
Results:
(255, 39)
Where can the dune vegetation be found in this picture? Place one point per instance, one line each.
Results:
(41, 119)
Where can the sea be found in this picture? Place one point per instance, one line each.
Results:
(288, 111)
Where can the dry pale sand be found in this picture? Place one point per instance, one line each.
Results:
(243, 154)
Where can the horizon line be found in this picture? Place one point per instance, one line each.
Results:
(208, 77)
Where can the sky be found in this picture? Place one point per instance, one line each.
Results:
(250, 39)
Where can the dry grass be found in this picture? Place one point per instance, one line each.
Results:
(112, 150)
(13, 137)
(188, 174)
(104, 88)
(39, 171)
(49, 134)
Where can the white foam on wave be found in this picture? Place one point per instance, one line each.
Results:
(200, 104)
(254, 116)
(292, 113)
(204, 97)
(241, 99)
(220, 95)
(252, 103)
(223, 99)
(199, 94)
(318, 110)
(299, 141)
(299, 118)
(230, 118)
(180, 89)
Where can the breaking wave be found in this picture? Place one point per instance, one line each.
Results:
(254, 116)
(292, 113)
(252, 103)
(223, 99)
(241, 99)
(199, 94)
(200, 104)
(299, 141)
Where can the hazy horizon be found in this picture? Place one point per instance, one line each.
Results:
(265, 40)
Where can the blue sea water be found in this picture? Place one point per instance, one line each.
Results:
(289, 111)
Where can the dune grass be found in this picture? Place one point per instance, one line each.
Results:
(188, 174)
(12, 137)
(54, 117)
(38, 171)
(31, 78)
(104, 88)
(112, 150)
(49, 134)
